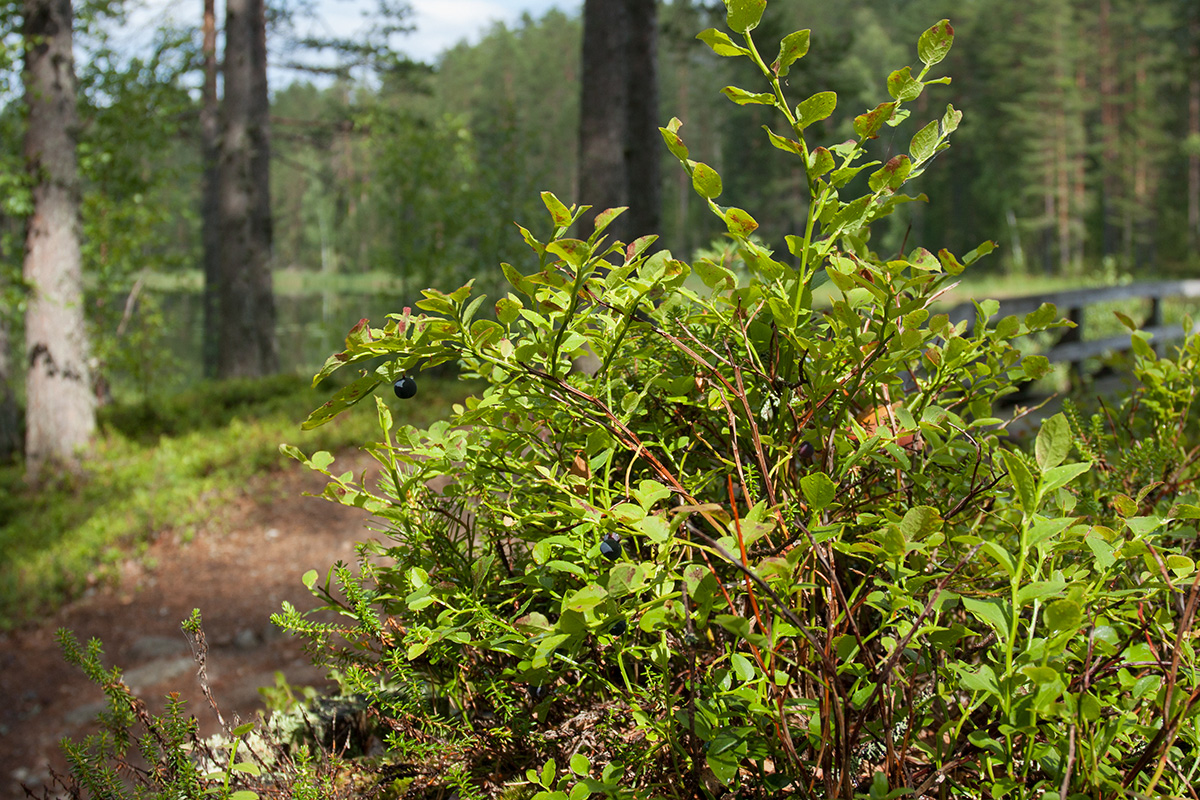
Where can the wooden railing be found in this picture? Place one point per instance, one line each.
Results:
(1072, 347)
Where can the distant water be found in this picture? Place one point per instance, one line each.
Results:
(309, 328)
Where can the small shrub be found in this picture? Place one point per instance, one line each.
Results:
(765, 545)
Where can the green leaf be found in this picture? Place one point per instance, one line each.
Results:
(981, 680)
(1064, 615)
(923, 143)
(343, 399)
(1101, 549)
(742, 667)
(783, 143)
(950, 119)
(744, 15)
(793, 47)
(1035, 366)
(1053, 442)
(1022, 480)
(309, 578)
(935, 43)
(706, 181)
(815, 108)
(649, 492)
(992, 611)
(585, 599)
(714, 275)
(742, 97)
(580, 764)
(919, 522)
(1057, 477)
(819, 490)
(903, 86)
(866, 126)
(1185, 511)
(722, 756)
(721, 44)
(508, 309)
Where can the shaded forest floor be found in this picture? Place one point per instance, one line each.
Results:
(237, 569)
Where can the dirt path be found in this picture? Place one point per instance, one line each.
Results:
(237, 571)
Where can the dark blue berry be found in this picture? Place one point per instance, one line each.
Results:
(619, 627)
(610, 547)
(405, 388)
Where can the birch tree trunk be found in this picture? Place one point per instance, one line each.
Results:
(60, 403)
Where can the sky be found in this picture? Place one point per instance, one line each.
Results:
(440, 24)
(443, 23)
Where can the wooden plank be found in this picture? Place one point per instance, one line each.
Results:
(1077, 298)
(1073, 352)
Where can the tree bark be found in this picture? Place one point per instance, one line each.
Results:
(60, 403)
(619, 142)
(10, 420)
(643, 142)
(210, 200)
(1193, 128)
(245, 300)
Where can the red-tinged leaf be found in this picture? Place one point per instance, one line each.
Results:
(891, 175)
(820, 161)
(793, 47)
(935, 43)
(867, 125)
(605, 218)
(903, 86)
(706, 181)
(558, 212)
(359, 334)
(740, 223)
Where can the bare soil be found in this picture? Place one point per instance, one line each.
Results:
(238, 570)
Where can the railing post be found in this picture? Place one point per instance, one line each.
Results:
(1153, 321)
(1075, 370)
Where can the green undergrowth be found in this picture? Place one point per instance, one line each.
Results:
(171, 464)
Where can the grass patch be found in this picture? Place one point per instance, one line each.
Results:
(164, 465)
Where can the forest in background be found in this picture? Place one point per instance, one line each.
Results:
(1079, 153)
(423, 176)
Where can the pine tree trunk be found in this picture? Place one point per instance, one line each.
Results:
(619, 143)
(1193, 168)
(61, 406)
(210, 200)
(1110, 183)
(643, 142)
(245, 301)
